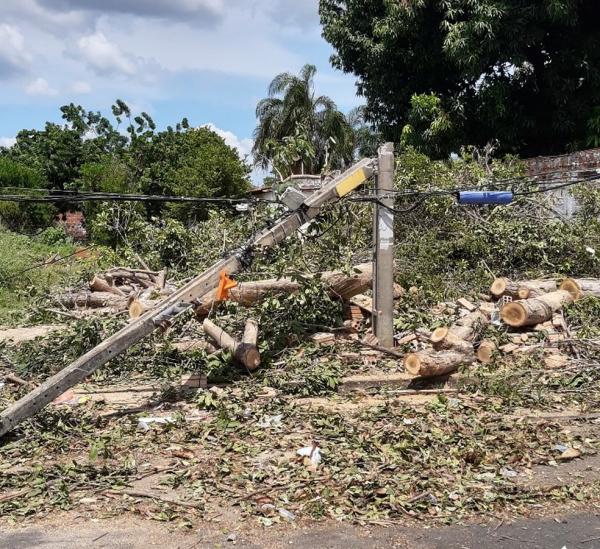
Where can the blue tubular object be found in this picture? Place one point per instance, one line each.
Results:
(485, 197)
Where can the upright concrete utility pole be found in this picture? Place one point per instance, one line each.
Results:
(383, 281)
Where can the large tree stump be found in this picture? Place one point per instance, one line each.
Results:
(530, 312)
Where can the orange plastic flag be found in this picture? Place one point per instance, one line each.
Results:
(225, 284)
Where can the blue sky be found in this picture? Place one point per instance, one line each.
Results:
(209, 60)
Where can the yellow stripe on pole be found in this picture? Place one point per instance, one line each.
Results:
(352, 181)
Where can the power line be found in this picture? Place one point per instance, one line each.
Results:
(426, 195)
(76, 196)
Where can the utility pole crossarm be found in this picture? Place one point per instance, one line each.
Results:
(166, 311)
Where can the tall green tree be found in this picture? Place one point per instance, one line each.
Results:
(523, 72)
(296, 123)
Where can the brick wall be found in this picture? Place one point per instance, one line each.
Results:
(74, 224)
(569, 167)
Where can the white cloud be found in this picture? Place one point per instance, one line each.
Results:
(206, 12)
(80, 87)
(14, 57)
(244, 146)
(7, 141)
(105, 57)
(40, 86)
(295, 13)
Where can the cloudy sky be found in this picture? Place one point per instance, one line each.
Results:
(209, 60)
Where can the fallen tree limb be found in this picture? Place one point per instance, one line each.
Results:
(248, 293)
(469, 325)
(533, 311)
(245, 353)
(11, 378)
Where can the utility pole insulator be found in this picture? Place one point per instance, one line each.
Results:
(383, 281)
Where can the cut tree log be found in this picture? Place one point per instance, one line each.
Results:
(433, 364)
(248, 293)
(250, 336)
(523, 289)
(533, 311)
(486, 350)
(446, 339)
(245, 353)
(136, 308)
(579, 287)
(98, 284)
(92, 300)
(467, 326)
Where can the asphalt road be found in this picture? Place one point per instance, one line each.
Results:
(578, 531)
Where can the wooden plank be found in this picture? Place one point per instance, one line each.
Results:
(164, 313)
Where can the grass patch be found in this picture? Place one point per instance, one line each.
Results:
(29, 268)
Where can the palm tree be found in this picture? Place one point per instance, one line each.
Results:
(293, 111)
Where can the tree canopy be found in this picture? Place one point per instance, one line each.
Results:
(90, 152)
(442, 73)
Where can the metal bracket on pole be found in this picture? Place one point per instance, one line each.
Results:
(383, 281)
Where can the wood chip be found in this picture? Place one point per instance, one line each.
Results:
(407, 339)
(466, 304)
(323, 338)
(509, 348)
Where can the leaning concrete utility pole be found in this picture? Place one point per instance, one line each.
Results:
(383, 281)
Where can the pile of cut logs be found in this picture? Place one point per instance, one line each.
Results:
(527, 308)
(121, 288)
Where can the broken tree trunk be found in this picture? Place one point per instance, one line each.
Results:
(248, 293)
(536, 310)
(523, 289)
(579, 287)
(245, 353)
(433, 364)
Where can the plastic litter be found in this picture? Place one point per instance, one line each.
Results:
(144, 423)
(311, 452)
